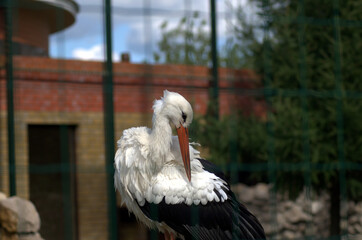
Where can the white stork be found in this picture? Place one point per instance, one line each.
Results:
(150, 175)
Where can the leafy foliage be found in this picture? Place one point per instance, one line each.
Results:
(187, 43)
(233, 138)
(307, 58)
(307, 54)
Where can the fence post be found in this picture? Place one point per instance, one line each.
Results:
(215, 75)
(66, 182)
(339, 201)
(109, 122)
(10, 94)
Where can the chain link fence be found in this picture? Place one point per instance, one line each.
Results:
(275, 86)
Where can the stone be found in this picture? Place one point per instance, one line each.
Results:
(246, 194)
(344, 208)
(311, 230)
(19, 215)
(34, 236)
(353, 219)
(358, 228)
(302, 227)
(355, 237)
(351, 208)
(2, 196)
(287, 205)
(268, 229)
(307, 215)
(8, 236)
(358, 208)
(15, 236)
(283, 224)
(296, 215)
(351, 230)
(8, 219)
(262, 191)
(316, 207)
(343, 223)
(289, 234)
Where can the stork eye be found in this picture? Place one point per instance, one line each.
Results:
(184, 116)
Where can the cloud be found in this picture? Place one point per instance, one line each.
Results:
(96, 52)
(135, 29)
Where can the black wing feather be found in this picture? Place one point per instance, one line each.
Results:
(213, 221)
(212, 168)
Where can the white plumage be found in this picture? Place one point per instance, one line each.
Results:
(150, 168)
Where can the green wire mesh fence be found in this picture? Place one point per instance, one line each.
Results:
(275, 85)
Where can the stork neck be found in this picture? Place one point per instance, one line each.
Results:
(161, 137)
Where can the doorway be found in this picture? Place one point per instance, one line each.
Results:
(52, 176)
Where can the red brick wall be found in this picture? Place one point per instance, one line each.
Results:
(43, 84)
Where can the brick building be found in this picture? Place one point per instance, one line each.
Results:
(59, 110)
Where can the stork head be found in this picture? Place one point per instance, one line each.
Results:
(178, 110)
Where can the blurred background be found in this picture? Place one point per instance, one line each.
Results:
(276, 87)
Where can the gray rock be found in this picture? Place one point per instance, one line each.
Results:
(262, 191)
(287, 205)
(283, 218)
(14, 236)
(351, 230)
(344, 208)
(355, 237)
(353, 219)
(268, 229)
(19, 215)
(296, 215)
(351, 208)
(8, 236)
(358, 208)
(316, 207)
(2, 196)
(302, 228)
(358, 228)
(246, 194)
(283, 224)
(35, 236)
(289, 234)
(8, 219)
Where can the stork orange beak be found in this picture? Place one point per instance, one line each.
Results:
(183, 139)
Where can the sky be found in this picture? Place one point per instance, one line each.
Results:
(135, 27)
